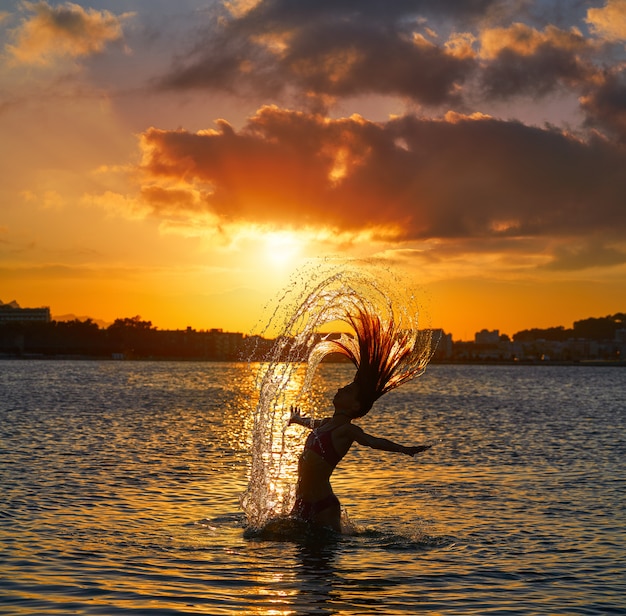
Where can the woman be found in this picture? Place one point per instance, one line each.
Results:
(328, 442)
(385, 355)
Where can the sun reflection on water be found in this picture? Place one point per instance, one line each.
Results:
(119, 497)
(273, 469)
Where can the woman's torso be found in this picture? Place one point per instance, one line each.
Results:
(324, 449)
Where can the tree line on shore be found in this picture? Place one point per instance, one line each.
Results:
(126, 337)
(136, 337)
(603, 328)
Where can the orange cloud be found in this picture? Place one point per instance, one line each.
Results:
(239, 8)
(473, 178)
(609, 21)
(460, 45)
(525, 41)
(67, 30)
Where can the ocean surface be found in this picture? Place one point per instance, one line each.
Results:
(120, 486)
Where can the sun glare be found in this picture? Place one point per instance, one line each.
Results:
(281, 248)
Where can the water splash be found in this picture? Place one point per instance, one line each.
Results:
(308, 320)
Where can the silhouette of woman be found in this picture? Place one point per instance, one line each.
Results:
(385, 355)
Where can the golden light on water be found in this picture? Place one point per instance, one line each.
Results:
(126, 493)
(239, 419)
(278, 601)
(273, 469)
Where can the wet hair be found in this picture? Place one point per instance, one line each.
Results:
(385, 353)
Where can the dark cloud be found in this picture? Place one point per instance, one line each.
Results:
(548, 69)
(605, 106)
(328, 48)
(287, 14)
(313, 54)
(409, 178)
(590, 254)
(357, 61)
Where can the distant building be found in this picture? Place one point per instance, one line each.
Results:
(487, 337)
(225, 345)
(12, 313)
(444, 343)
(620, 344)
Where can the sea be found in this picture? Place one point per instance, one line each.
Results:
(121, 488)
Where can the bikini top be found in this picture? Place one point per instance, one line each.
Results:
(322, 444)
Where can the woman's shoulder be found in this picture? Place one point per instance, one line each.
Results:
(349, 429)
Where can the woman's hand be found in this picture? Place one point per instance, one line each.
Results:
(411, 451)
(296, 417)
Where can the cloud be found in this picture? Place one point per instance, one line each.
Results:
(605, 104)
(524, 40)
(586, 255)
(64, 31)
(286, 13)
(407, 179)
(522, 60)
(116, 204)
(609, 22)
(464, 56)
(330, 49)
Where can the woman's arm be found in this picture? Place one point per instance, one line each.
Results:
(384, 444)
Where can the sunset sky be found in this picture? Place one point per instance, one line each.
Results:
(179, 160)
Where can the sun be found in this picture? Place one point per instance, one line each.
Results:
(281, 248)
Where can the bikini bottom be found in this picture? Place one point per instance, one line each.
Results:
(306, 510)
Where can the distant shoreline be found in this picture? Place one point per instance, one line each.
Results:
(439, 362)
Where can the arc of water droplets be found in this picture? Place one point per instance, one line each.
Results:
(320, 295)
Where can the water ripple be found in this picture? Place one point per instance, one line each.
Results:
(121, 485)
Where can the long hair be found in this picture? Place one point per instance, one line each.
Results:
(384, 350)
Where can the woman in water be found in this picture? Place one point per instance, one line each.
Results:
(328, 442)
(385, 356)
